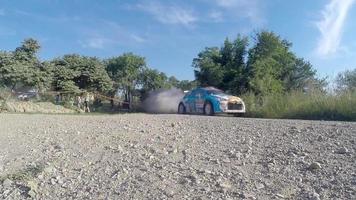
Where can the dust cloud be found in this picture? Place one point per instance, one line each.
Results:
(163, 101)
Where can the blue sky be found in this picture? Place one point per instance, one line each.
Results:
(171, 33)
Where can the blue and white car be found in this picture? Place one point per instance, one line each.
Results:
(210, 101)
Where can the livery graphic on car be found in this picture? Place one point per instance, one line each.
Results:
(210, 101)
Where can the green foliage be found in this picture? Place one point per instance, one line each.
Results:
(233, 60)
(22, 67)
(346, 81)
(152, 79)
(269, 68)
(301, 105)
(187, 85)
(125, 70)
(208, 70)
(25, 174)
(28, 50)
(74, 73)
(273, 68)
(224, 68)
(173, 81)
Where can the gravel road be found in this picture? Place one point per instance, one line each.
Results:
(141, 156)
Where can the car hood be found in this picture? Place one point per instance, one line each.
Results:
(229, 98)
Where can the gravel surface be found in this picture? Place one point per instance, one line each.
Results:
(141, 156)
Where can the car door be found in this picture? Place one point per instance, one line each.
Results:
(199, 101)
(191, 102)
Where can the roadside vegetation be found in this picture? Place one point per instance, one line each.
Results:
(73, 74)
(273, 81)
(300, 105)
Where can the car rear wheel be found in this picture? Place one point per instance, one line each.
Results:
(208, 109)
(181, 109)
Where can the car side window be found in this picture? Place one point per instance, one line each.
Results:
(199, 95)
(192, 94)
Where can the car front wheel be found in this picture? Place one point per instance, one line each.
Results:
(181, 109)
(208, 109)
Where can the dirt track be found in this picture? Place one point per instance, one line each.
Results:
(139, 156)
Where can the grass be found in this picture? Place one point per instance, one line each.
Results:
(24, 174)
(294, 105)
(298, 105)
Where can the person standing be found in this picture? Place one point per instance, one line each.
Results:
(79, 102)
(86, 102)
(57, 98)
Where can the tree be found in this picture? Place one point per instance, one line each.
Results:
(268, 67)
(22, 67)
(302, 76)
(233, 60)
(173, 81)
(152, 79)
(125, 71)
(74, 73)
(346, 81)
(266, 63)
(273, 68)
(28, 50)
(208, 70)
(225, 67)
(186, 85)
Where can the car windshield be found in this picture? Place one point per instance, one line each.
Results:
(215, 92)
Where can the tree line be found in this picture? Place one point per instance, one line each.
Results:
(267, 66)
(75, 73)
(261, 65)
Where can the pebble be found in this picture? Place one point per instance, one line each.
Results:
(314, 166)
(225, 185)
(314, 196)
(185, 151)
(7, 183)
(6, 192)
(320, 138)
(260, 186)
(226, 160)
(32, 194)
(60, 181)
(49, 169)
(342, 150)
(213, 170)
(53, 181)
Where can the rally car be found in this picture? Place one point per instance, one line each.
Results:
(210, 101)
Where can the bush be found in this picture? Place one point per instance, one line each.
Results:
(299, 105)
(5, 94)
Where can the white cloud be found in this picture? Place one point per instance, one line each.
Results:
(95, 43)
(138, 39)
(47, 18)
(227, 3)
(171, 14)
(250, 9)
(331, 26)
(216, 16)
(108, 34)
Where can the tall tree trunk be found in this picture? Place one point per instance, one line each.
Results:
(130, 99)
